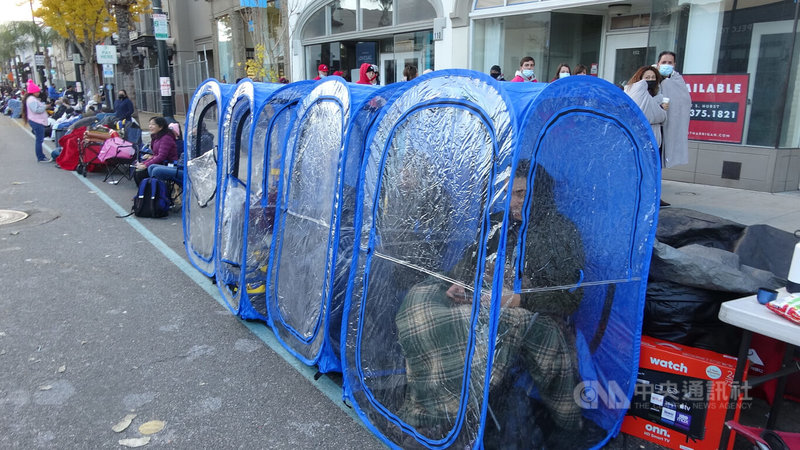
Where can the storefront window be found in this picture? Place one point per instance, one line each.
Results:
(414, 11)
(377, 13)
(343, 16)
(740, 37)
(550, 38)
(224, 43)
(506, 40)
(315, 25)
(313, 59)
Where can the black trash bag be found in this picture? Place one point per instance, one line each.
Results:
(678, 227)
(689, 316)
(700, 261)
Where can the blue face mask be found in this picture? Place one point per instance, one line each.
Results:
(665, 70)
(563, 75)
(527, 73)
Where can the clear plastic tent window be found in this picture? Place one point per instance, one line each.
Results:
(236, 164)
(273, 119)
(204, 127)
(303, 297)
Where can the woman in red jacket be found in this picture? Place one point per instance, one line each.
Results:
(368, 74)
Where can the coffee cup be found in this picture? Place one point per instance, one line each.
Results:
(665, 100)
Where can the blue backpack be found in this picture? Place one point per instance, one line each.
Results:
(152, 200)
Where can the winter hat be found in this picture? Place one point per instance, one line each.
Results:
(176, 129)
(32, 87)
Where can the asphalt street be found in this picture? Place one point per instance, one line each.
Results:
(102, 317)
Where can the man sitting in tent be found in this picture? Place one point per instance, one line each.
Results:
(434, 320)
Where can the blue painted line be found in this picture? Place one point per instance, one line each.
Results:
(324, 384)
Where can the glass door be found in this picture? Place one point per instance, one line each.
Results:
(624, 54)
(393, 64)
(770, 47)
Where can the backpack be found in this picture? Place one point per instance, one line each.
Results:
(152, 200)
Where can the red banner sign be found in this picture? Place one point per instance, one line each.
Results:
(719, 103)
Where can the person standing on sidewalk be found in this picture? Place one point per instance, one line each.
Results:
(525, 72)
(123, 108)
(675, 145)
(34, 113)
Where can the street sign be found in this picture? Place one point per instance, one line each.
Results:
(108, 71)
(166, 88)
(106, 54)
(160, 28)
(39, 59)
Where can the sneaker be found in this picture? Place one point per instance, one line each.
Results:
(45, 160)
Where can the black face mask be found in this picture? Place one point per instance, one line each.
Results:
(652, 84)
(120, 96)
(494, 75)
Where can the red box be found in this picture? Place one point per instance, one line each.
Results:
(682, 396)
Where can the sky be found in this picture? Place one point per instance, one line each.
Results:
(16, 10)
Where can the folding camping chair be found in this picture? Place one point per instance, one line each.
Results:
(88, 149)
(766, 439)
(123, 166)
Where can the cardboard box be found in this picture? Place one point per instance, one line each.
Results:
(682, 396)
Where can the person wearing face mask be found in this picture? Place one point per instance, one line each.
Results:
(525, 72)
(675, 146)
(562, 72)
(497, 73)
(368, 74)
(123, 108)
(643, 88)
(322, 72)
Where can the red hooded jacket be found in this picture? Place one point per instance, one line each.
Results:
(362, 73)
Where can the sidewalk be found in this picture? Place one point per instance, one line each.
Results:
(780, 210)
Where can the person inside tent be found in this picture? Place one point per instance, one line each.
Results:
(434, 319)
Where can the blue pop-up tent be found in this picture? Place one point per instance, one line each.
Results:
(272, 121)
(234, 163)
(303, 255)
(450, 336)
(200, 177)
(599, 150)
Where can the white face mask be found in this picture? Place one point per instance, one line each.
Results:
(563, 75)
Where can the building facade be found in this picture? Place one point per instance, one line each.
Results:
(749, 44)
